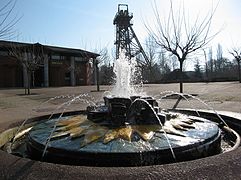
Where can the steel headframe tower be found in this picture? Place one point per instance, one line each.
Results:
(125, 36)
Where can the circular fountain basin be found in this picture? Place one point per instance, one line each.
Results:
(201, 141)
(222, 165)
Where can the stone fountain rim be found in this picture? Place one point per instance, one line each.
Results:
(221, 165)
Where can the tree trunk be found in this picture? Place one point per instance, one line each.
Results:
(211, 73)
(29, 82)
(150, 75)
(181, 77)
(33, 79)
(239, 75)
(25, 78)
(97, 75)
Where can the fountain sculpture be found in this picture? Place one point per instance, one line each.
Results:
(125, 132)
(127, 129)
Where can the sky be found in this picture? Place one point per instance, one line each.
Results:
(88, 24)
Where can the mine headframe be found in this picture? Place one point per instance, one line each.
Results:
(125, 36)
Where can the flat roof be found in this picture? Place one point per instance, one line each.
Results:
(51, 49)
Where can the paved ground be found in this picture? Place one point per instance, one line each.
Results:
(15, 106)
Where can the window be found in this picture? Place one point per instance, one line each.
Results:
(55, 57)
(3, 53)
(62, 57)
(80, 59)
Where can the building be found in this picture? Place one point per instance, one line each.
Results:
(59, 66)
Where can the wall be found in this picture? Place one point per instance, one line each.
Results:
(10, 73)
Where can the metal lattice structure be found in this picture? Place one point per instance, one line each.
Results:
(125, 36)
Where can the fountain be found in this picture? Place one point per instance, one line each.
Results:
(127, 129)
(124, 132)
(127, 135)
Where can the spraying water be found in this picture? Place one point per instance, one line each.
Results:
(184, 95)
(165, 134)
(125, 81)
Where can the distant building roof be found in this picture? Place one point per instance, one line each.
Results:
(51, 49)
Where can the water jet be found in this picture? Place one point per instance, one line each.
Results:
(126, 136)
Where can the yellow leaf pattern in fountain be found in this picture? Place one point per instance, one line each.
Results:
(172, 130)
(74, 122)
(80, 126)
(75, 119)
(146, 132)
(125, 133)
(93, 134)
(110, 135)
(122, 132)
(59, 134)
(76, 132)
(181, 125)
(187, 121)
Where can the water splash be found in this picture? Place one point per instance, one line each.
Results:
(84, 98)
(128, 81)
(170, 93)
(20, 128)
(79, 98)
(154, 112)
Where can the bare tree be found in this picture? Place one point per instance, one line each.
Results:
(102, 58)
(206, 65)
(149, 63)
(177, 36)
(6, 21)
(237, 55)
(106, 67)
(173, 62)
(198, 70)
(31, 56)
(210, 61)
(219, 58)
(163, 63)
